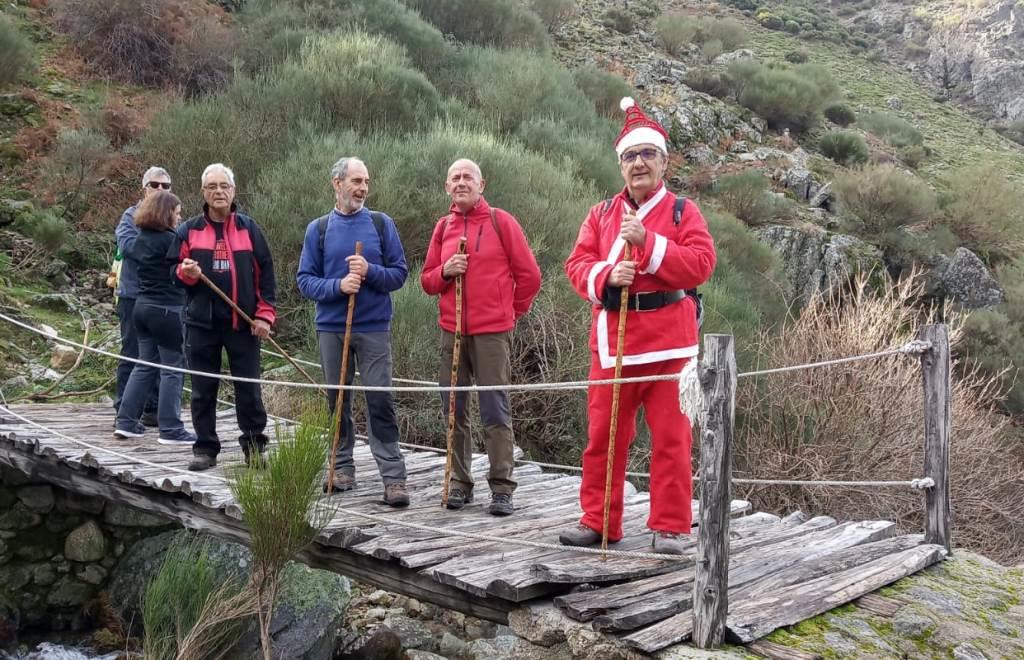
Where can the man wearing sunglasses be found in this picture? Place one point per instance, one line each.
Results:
(672, 252)
(155, 178)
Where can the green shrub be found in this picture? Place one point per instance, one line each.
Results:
(15, 52)
(740, 72)
(512, 86)
(586, 155)
(797, 56)
(915, 51)
(913, 155)
(882, 198)
(985, 210)
(48, 231)
(844, 147)
(897, 132)
(74, 168)
(711, 49)
(1013, 131)
(821, 77)
(708, 81)
(605, 90)
(500, 23)
(784, 98)
(840, 113)
(554, 13)
(747, 196)
(618, 19)
(676, 31)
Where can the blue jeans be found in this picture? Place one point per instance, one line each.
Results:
(161, 341)
(130, 349)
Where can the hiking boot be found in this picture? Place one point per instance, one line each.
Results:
(458, 498)
(667, 543)
(202, 462)
(342, 482)
(501, 505)
(579, 536)
(396, 495)
(149, 419)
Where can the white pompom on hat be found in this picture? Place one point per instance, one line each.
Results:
(639, 129)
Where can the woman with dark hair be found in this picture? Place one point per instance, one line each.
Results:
(158, 322)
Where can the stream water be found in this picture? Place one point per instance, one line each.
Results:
(49, 651)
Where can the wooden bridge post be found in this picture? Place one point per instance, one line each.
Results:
(711, 582)
(935, 368)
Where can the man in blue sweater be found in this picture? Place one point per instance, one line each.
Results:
(155, 179)
(329, 271)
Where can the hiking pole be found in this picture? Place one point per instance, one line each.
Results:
(223, 296)
(620, 344)
(339, 401)
(456, 345)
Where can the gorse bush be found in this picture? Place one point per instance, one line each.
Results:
(708, 81)
(47, 230)
(604, 89)
(75, 168)
(747, 196)
(844, 147)
(882, 198)
(797, 56)
(618, 19)
(554, 13)
(500, 23)
(897, 132)
(16, 52)
(677, 31)
(785, 98)
(586, 155)
(840, 113)
(985, 211)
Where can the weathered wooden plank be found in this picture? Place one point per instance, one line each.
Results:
(775, 651)
(935, 367)
(879, 605)
(754, 618)
(711, 581)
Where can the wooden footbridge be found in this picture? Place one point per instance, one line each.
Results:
(782, 570)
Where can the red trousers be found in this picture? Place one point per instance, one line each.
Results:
(671, 484)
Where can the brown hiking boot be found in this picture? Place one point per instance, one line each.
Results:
(396, 494)
(458, 498)
(579, 536)
(202, 462)
(342, 482)
(667, 543)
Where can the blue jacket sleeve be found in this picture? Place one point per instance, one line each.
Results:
(126, 232)
(310, 278)
(391, 275)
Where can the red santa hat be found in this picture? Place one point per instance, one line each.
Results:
(639, 129)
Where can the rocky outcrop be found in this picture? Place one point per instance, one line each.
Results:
(814, 261)
(964, 279)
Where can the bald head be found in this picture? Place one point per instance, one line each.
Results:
(464, 184)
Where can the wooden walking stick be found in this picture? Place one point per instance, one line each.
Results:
(238, 310)
(620, 344)
(456, 345)
(339, 401)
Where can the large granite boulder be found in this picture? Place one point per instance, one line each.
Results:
(307, 617)
(814, 261)
(965, 279)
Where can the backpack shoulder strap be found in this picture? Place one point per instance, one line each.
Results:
(494, 223)
(677, 212)
(607, 205)
(321, 229)
(378, 224)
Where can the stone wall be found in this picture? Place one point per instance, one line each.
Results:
(57, 549)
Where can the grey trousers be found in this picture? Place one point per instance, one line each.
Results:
(485, 359)
(370, 352)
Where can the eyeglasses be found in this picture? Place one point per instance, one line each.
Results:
(646, 154)
(159, 184)
(214, 186)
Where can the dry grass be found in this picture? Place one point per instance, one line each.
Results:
(863, 421)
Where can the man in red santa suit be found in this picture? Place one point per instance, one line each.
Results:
(672, 252)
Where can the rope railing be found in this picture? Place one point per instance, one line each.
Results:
(912, 347)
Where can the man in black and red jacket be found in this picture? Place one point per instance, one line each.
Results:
(230, 249)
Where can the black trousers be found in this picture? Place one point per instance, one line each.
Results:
(130, 348)
(204, 348)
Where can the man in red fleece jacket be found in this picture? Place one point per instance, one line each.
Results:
(500, 280)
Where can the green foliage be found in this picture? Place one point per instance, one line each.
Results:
(184, 590)
(1014, 131)
(554, 13)
(897, 132)
(747, 196)
(618, 19)
(676, 31)
(882, 198)
(844, 147)
(16, 52)
(512, 86)
(604, 89)
(47, 230)
(913, 155)
(585, 155)
(985, 211)
(840, 113)
(708, 81)
(73, 168)
(786, 98)
(499, 23)
(798, 56)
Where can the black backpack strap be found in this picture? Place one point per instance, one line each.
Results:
(698, 299)
(607, 205)
(677, 212)
(378, 224)
(321, 228)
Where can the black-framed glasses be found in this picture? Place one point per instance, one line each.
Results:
(155, 185)
(647, 155)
